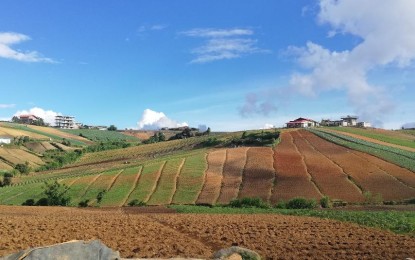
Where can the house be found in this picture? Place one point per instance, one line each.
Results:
(28, 119)
(5, 139)
(328, 122)
(67, 122)
(350, 120)
(302, 123)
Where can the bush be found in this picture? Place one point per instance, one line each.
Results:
(22, 167)
(100, 196)
(29, 202)
(249, 203)
(371, 199)
(56, 194)
(325, 202)
(83, 204)
(301, 203)
(136, 203)
(281, 205)
(42, 202)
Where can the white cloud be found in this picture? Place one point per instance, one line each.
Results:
(222, 44)
(386, 31)
(268, 126)
(48, 116)
(155, 27)
(7, 39)
(7, 105)
(152, 120)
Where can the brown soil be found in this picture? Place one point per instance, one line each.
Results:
(198, 235)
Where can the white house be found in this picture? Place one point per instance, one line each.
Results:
(364, 124)
(6, 139)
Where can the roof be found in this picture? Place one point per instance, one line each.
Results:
(28, 116)
(300, 120)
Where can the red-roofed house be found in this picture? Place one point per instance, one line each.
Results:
(28, 119)
(302, 123)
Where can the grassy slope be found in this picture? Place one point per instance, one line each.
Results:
(101, 135)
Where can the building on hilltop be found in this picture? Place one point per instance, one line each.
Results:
(67, 122)
(302, 123)
(345, 121)
(350, 120)
(28, 119)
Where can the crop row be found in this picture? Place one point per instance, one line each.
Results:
(397, 156)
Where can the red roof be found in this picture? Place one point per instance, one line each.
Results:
(300, 120)
(28, 116)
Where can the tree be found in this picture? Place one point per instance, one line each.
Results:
(23, 168)
(161, 137)
(56, 194)
(112, 128)
(208, 131)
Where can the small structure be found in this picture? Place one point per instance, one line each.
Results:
(302, 123)
(28, 119)
(364, 124)
(350, 120)
(5, 139)
(67, 122)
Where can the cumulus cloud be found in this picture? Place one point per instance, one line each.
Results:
(222, 44)
(7, 105)
(7, 39)
(153, 120)
(386, 32)
(259, 103)
(268, 126)
(48, 116)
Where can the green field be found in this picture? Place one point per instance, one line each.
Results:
(385, 136)
(101, 135)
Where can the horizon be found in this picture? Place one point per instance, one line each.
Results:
(231, 66)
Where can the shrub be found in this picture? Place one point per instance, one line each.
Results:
(325, 202)
(22, 167)
(42, 202)
(56, 194)
(249, 203)
(100, 196)
(29, 202)
(371, 199)
(301, 203)
(136, 203)
(281, 205)
(83, 203)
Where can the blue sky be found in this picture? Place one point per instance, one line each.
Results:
(231, 65)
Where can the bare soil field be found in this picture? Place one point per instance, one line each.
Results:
(137, 234)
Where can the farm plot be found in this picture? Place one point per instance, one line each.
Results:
(60, 134)
(190, 180)
(147, 182)
(16, 156)
(122, 187)
(80, 187)
(292, 179)
(259, 174)
(329, 177)
(213, 180)
(232, 174)
(16, 133)
(102, 184)
(100, 135)
(365, 174)
(166, 187)
(22, 193)
(35, 147)
(48, 146)
(5, 166)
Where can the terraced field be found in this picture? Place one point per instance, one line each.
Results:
(16, 156)
(302, 164)
(101, 135)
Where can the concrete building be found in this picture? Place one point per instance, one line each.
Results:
(350, 120)
(302, 123)
(67, 122)
(364, 124)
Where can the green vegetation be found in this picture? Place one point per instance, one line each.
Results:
(394, 155)
(190, 180)
(249, 203)
(381, 136)
(22, 168)
(56, 159)
(136, 203)
(402, 222)
(147, 182)
(256, 138)
(408, 131)
(101, 135)
(104, 146)
(56, 194)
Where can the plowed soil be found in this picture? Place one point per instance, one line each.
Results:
(198, 235)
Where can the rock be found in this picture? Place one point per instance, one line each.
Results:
(236, 253)
(76, 249)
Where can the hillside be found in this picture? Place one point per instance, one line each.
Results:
(184, 172)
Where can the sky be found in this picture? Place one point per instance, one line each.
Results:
(230, 65)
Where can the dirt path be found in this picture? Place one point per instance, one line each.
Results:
(198, 235)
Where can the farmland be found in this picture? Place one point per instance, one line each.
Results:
(101, 135)
(199, 235)
(302, 164)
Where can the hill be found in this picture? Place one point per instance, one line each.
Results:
(308, 164)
